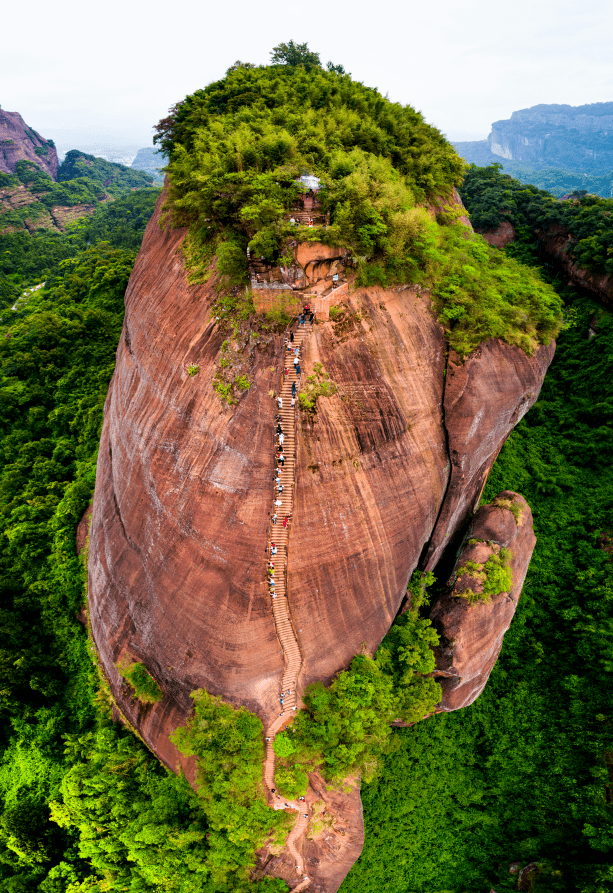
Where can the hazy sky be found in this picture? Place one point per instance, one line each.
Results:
(119, 66)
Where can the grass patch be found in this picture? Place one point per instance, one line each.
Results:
(138, 677)
(495, 577)
(317, 385)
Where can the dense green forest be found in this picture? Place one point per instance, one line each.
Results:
(26, 259)
(524, 775)
(492, 196)
(81, 180)
(559, 182)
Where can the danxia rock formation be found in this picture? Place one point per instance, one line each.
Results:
(471, 633)
(388, 470)
(18, 142)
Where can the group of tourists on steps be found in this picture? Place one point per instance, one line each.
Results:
(305, 316)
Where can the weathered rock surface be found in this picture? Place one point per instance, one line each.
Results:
(184, 489)
(485, 397)
(471, 634)
(501, 236)
(18, 142)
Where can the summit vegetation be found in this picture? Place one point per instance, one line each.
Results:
(237, 148)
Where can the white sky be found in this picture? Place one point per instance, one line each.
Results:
(115, 66)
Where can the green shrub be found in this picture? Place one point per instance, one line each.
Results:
(138, 677)
(495, 575)
(291, 781)
(317, 385)
(283, 745)
(278, 319)
(228, 744)
(193, 370)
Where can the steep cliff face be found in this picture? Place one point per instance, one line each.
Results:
(555, 241)
(472, 629)
(18, 142)
(183, 490)
(485, 397)
(570, 137)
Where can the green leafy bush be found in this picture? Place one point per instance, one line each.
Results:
(228, 744)
(138, 677)
(317, 385)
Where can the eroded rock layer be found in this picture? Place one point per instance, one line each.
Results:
(471, 626)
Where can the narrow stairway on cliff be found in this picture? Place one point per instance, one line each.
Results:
(280, 528)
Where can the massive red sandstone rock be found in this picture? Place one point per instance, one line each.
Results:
(471, 634)
(485, 397)
(18, 142)
(184, 488)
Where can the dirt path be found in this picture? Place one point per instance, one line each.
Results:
(279, 535)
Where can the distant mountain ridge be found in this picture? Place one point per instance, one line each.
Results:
(571, 138)
(556, 147)
(18, 142)
(575, 138)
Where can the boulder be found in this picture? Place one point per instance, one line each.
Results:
(471, 625)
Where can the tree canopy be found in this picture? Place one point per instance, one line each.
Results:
(293, 54)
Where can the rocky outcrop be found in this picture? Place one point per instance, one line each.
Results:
(485, 397)
(472, 625)
(501, 236)
(18, 142)
(389, 466)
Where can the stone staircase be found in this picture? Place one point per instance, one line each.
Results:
(279, 535)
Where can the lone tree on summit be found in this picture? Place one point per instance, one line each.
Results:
(295, 54)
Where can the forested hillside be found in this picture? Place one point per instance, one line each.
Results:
(492, 197)
(30, 200)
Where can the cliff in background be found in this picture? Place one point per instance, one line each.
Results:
(562, 136)
(559, 148)
(18, 142)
